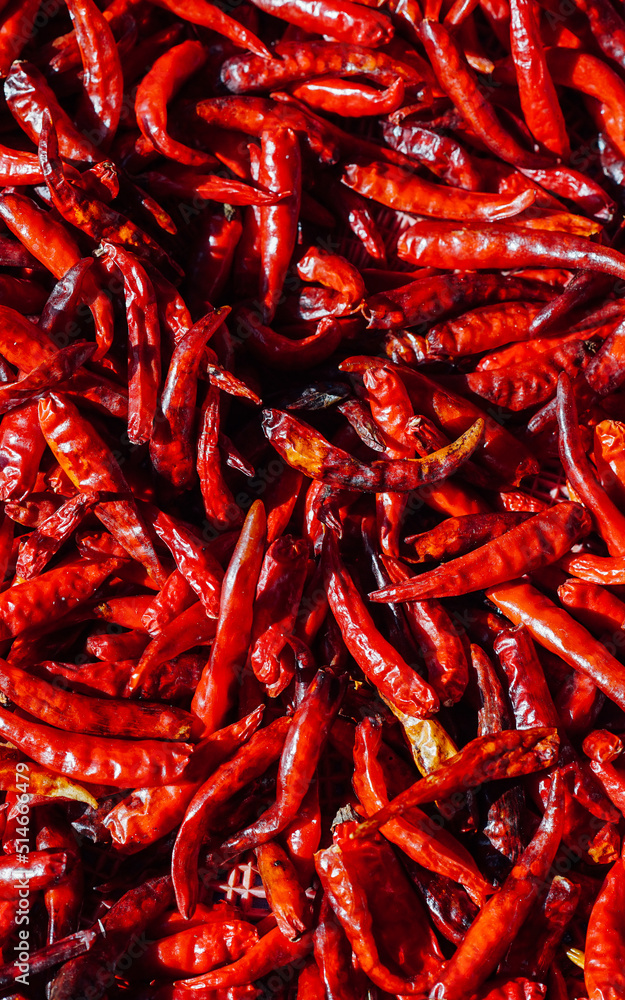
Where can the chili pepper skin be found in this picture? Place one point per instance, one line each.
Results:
(28, 97)
(427, 300)
(215, 692)
(537, 541)
(507, 753)
(90, 758)
(287, 898)
(170, 448)
(476, 246)
(350, 100)
(397, 188)
(459, 83)
(602, 971)
(157, 88)
(380, 663)
(252, 760)
(493, 930)
(273, 951)
(301, 60)
(579, 472)
(456, 535)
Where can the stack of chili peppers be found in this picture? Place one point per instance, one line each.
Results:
(312, 473)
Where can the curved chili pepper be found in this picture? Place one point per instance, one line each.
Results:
(194, 560)
(279, 170)
(170, 449)
(602, 970)
(278, 351)
(305, 449)
(219, 504)
(96, 218)
(168, 74)
(405, 192)
(483, 329)
(592, 76)
(460, 85)
(360, 886)
(439, 153)
(442, 244)
(426, 843)
(100, 717)
(103, 82)
(302, 747)
(286, 896)
(538, 96)
(192, 627)
(597, 608)
(215, 692)
(302, 60)
(50, 243)
(273, 951)
(29, 97)
(456, 535)
(110, 761)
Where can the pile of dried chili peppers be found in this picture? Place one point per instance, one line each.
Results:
(312, 486)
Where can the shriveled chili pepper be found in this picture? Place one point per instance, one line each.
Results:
(507, 753)
(493, 930)
(103, 83)
(249, 762)
(215, 692)
(536, 542)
